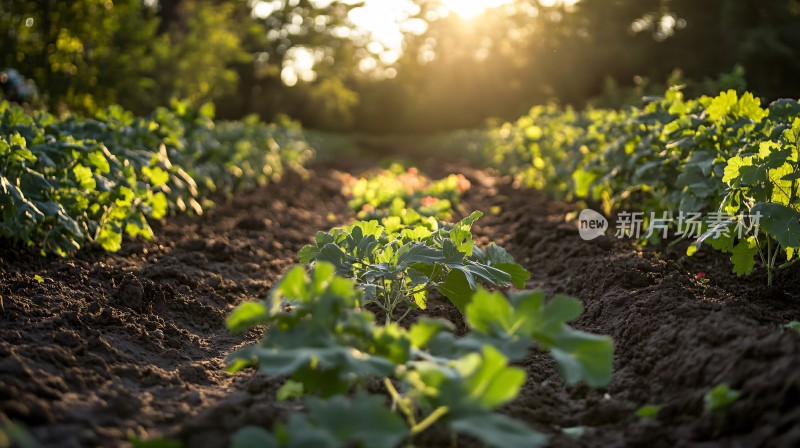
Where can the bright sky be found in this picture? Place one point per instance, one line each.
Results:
(385, 21)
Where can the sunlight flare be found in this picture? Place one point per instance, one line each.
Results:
(470, 9)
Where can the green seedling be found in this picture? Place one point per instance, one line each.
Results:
(648, 411)
(319, 336)
(720, 398)
(402, 264)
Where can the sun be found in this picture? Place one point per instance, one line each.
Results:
(470, 9)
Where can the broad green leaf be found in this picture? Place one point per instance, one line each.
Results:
(156, 176)
(583, 181)
(350, 362)
(743, 256)
(421, 299)
(720, 398)
(391, 342)
(392, 224)
(289, 389)
(426, 328)
(293, 285)
(489, 313)
(321, 277)
(110, 238)
(780, 222)
(496, 255)
(416, 234)
(583, 357)
(722, 105)
(456, 288)
(253, 437)
(417, 253)
(488, 274)
(331, 253)
(159, 205)
(781, 189)
(83, 176)
(98, 160)
(648, 411)
(792, 176)
(308, 253)
(493, 383)
(451, 255)
(563, 308)
(749, 106)
(498, 430)
(300, 433)
(364, 420)
(461, 233)
(126, 197)
(246, 316)
(733, 167)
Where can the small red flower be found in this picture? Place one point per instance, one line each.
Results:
(700, 275)
(367, 208)
(463, 183)
(428, 201)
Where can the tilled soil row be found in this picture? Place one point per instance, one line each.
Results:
(110, 344)
(135, 341)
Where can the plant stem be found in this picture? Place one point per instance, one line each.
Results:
(769, 259)
(422, 354)
(429, 420)
(774, 260)
(789, 263)
(404, 314)
(672, 243)
(400, 403)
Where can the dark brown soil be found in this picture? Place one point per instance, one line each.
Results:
(135, 342)
(675, 336)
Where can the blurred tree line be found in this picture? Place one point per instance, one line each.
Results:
(309, 59)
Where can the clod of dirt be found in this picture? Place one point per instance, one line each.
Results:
(131, 293)
(252, 223)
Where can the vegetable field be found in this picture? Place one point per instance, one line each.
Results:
(172, 280)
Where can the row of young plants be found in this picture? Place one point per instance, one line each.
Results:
(371, 385)
(403, 193)
(66, 183)
(724, 157)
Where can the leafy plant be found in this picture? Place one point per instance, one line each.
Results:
(723, 156)
(648, 411)
(396, 191)
(720, 398)
(319, 336)
(401, 265)
(69, 182)
(763, 199)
